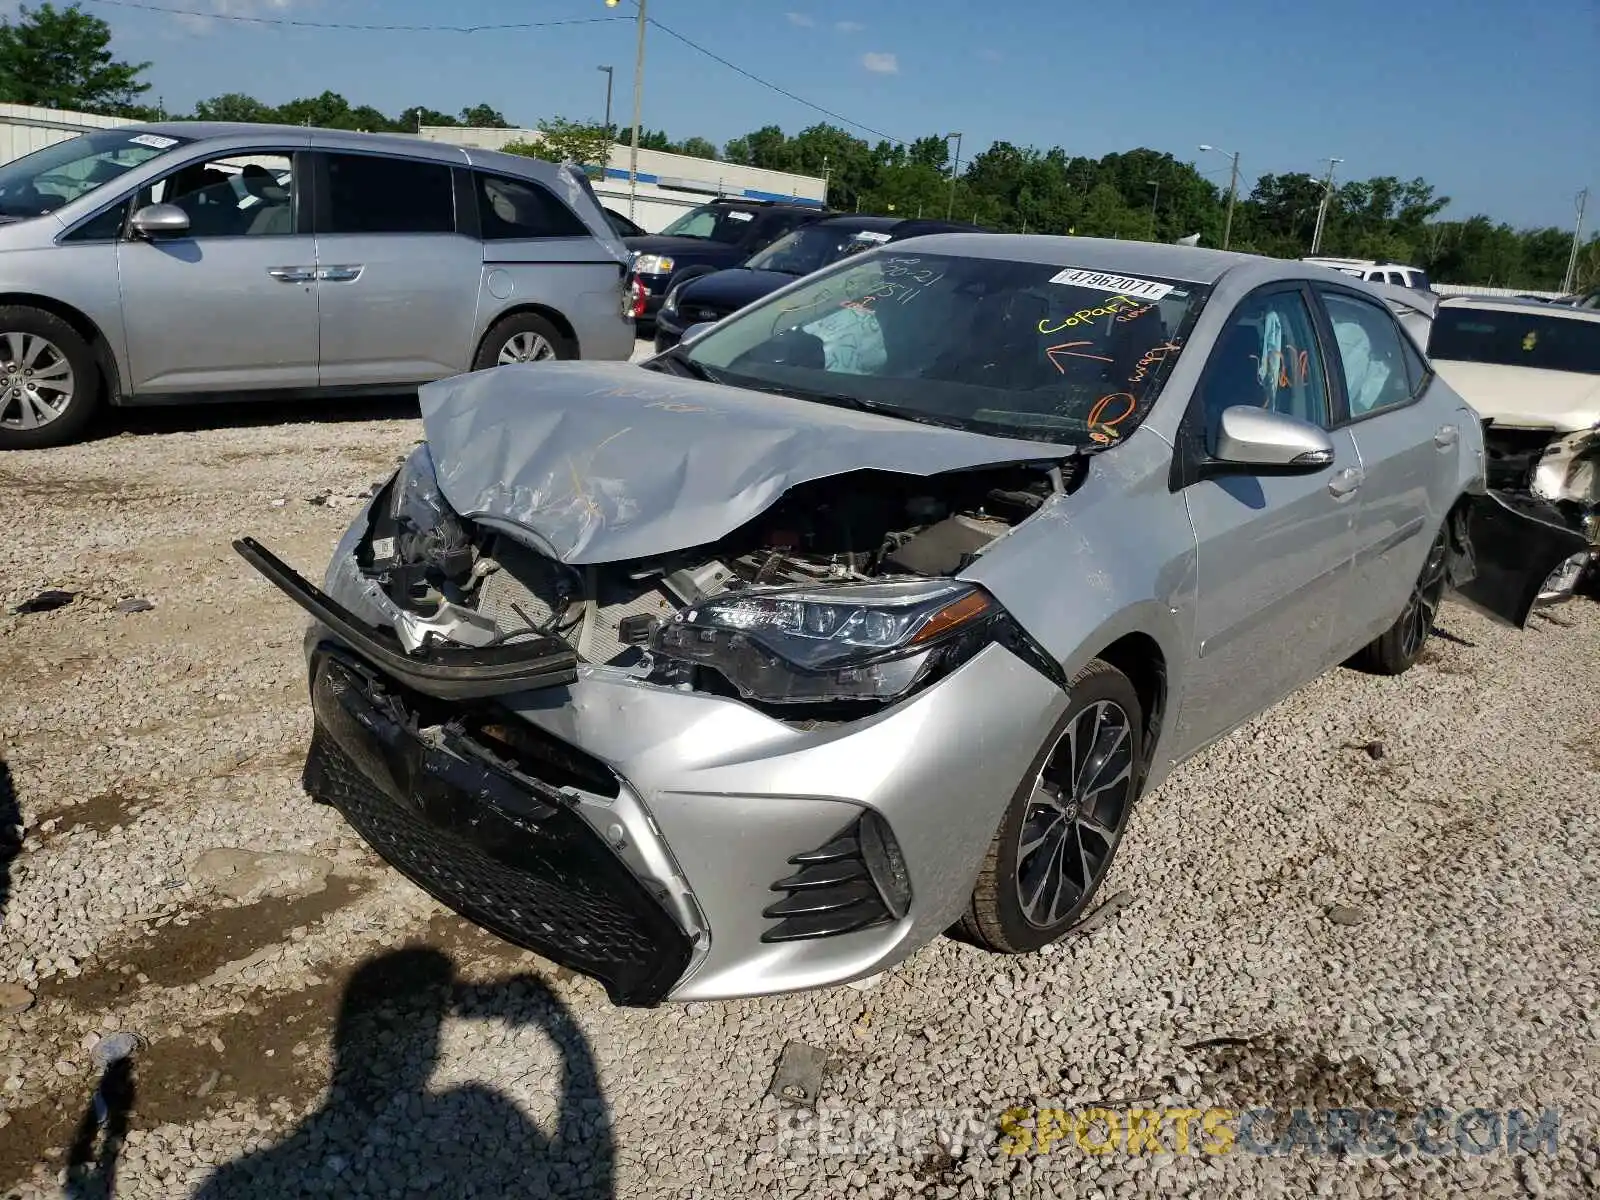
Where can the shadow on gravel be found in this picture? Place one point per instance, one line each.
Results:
(382, 1132)
(10, 834)
(249, 414)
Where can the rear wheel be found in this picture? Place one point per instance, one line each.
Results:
(1055, 843)
(49, 381)
(1396, 650)
(522, 338)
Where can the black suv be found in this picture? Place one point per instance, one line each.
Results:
(720, 234)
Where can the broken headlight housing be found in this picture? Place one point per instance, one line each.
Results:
(865, 641)
(417, 543)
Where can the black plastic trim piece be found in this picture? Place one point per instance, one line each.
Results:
(449, 673)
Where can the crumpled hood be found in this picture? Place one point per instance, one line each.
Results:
(603, 462)
(1525, 397)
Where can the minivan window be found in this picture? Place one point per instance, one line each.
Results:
(45, 180)
(369, 193)
(247, 195)
(518, 208)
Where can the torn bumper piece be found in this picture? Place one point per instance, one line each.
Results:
(503, 849)
(447, 672)
(1506, 547)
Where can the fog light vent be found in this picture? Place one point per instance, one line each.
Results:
(855, 881)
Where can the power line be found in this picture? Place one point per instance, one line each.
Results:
(241, 18)
(767, 83)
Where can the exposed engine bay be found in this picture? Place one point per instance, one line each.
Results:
(1560, 469)
(473, 585)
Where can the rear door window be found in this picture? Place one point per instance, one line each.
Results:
(1376, 374)
(511, 209)
(372, 193)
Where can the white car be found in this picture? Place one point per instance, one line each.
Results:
(1532, 371)
(1373, 271)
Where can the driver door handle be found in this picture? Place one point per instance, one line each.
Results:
(293, 274)
(1446, 436)
(1346, 482)
(344, 273)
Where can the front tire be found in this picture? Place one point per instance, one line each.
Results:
(1056, 841)
(522, 338)
(1396, 650)
(49, 380)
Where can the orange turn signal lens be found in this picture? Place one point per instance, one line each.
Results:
(969, 607)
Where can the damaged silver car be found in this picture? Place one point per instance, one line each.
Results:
(869, 613)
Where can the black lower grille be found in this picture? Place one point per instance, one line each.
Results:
(855, 881)
(505, 855)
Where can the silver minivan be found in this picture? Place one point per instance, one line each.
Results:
(150, 264)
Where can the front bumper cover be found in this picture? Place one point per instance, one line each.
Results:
(504, 849)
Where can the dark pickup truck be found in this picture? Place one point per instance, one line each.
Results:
(722, 233)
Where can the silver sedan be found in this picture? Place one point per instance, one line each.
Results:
(871, 611)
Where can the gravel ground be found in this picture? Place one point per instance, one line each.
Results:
(1381, 893)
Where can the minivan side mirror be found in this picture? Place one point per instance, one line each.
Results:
(160, 220)
(1258, 441)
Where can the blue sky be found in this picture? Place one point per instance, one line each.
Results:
(1495, 102)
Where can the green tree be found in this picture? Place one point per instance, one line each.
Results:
(481, 116)
(698, 147)
(419, 114)
(234, 106)
(568, 141)
(61, 58)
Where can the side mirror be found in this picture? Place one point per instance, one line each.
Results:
(160, 220)
(1259, 441)
(696, 330)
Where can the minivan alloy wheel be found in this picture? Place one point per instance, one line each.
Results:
(37, 382)
(1075, 815)
(523, 347)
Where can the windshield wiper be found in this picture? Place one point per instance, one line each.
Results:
(860, 404)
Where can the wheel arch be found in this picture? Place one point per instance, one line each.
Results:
(563, 326)
(85, 327)
(1140, 657)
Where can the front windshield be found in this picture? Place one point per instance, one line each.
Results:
(45, 180)
(712, 222)
(1018, 349)
(1535, 338)
(812, 247)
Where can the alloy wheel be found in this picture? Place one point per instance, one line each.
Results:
(1416, 622)
(1075, 816)
(525, 347)
(36, 381)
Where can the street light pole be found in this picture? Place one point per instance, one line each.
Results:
(1154, 200)
(1570, 283)
(1322, 209)
(609, 74)
(638, 109)
(1233, 194)
(955, 167)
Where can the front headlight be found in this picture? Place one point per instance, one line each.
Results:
(415, 528)
(653, 264)
(869, 641)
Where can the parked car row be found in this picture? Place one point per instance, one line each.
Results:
(154, 264)
(872, 609)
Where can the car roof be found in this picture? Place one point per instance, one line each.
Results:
(1516, 304)
(389, 143)
(1114, 256)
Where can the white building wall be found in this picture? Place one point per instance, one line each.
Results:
(24, 128)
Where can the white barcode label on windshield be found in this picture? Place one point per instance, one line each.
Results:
(736, 215)
(1126, 285)
(154, 140)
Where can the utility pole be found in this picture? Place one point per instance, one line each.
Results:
(608, 72)
(1322, 209)
(1154, 200)
(638, 109)
(1233, 193)
(955, 167)
(1570, 283)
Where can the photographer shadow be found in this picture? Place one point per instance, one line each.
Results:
(382, 1132)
